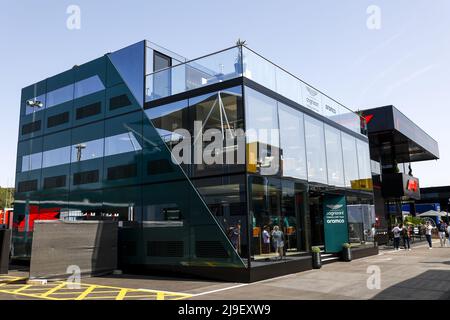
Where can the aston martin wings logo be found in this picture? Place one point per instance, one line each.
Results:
(334, 206)
(311, 91)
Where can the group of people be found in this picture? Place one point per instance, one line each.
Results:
(276, 237)
(405, 232)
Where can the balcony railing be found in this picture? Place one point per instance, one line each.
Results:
(241, 61)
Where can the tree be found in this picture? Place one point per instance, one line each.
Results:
(6, 197)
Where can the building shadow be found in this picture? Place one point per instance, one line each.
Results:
(429, 285)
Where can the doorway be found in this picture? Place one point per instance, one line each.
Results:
(316, 219)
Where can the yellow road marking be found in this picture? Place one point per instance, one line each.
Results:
(121, 294)
(85, 293)
(54, 289)
(21, 288)
(59, 291)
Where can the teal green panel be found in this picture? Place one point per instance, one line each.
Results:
(118, 92)
(26, 210)
(37, 118)
(34, 90)
(130, 64)
(86, 101)
(335, 223)
(61, 80)
(95, 67)
(123, 150)
(27, 147)
(84, 135)
(51, 112)
(112, 76)
(86, 205)
(60, 165)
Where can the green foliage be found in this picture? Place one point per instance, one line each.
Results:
(414, 220)
(6, 197)
(315, 250)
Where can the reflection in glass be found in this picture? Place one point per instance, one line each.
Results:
(262, 132)
(56, 157)
(87, 150)
(363, 159)
(335, 164)
(60, 95)
(167, 118)
(361, 220)
(315, 150)
(226, 199)
(31, 109)
(32, 162)
(275, 203)
(88, 86)
(350, 159)
(292, 140)
(121, 143)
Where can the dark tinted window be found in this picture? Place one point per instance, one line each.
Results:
(122, 172)
(57, 119)
(89, 110)
(54, 182)
(159, 166)
(119, 102)
(26, 186)
(161, 61)
(31, 127)
(85, 177)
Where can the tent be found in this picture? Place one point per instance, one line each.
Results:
(433, 213)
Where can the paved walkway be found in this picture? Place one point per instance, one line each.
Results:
(417, 274)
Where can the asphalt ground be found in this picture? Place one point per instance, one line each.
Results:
(417, 274)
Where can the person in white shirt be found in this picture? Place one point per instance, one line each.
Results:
(397, 231)
(428, 229)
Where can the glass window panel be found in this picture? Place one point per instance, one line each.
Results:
(121, 143)
(168, 118)
(87, 150)
(259, 69)
(335, 164)
(363, 159)
(59, 96)
(262, 133)
(292, 141)
(88, 86)
(315, 150)
(350, 159)
(288, 86)
(32, 162)
(56, 157)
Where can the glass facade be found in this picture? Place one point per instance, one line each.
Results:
(224, 176)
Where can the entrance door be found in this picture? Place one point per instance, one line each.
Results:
(316, 216)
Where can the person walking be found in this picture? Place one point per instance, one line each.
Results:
(406, 235)
(442, 228)
(266, 239)
(278, 242)
(428, 230)
(397, 233)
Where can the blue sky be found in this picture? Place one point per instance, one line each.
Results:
(325, 42)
